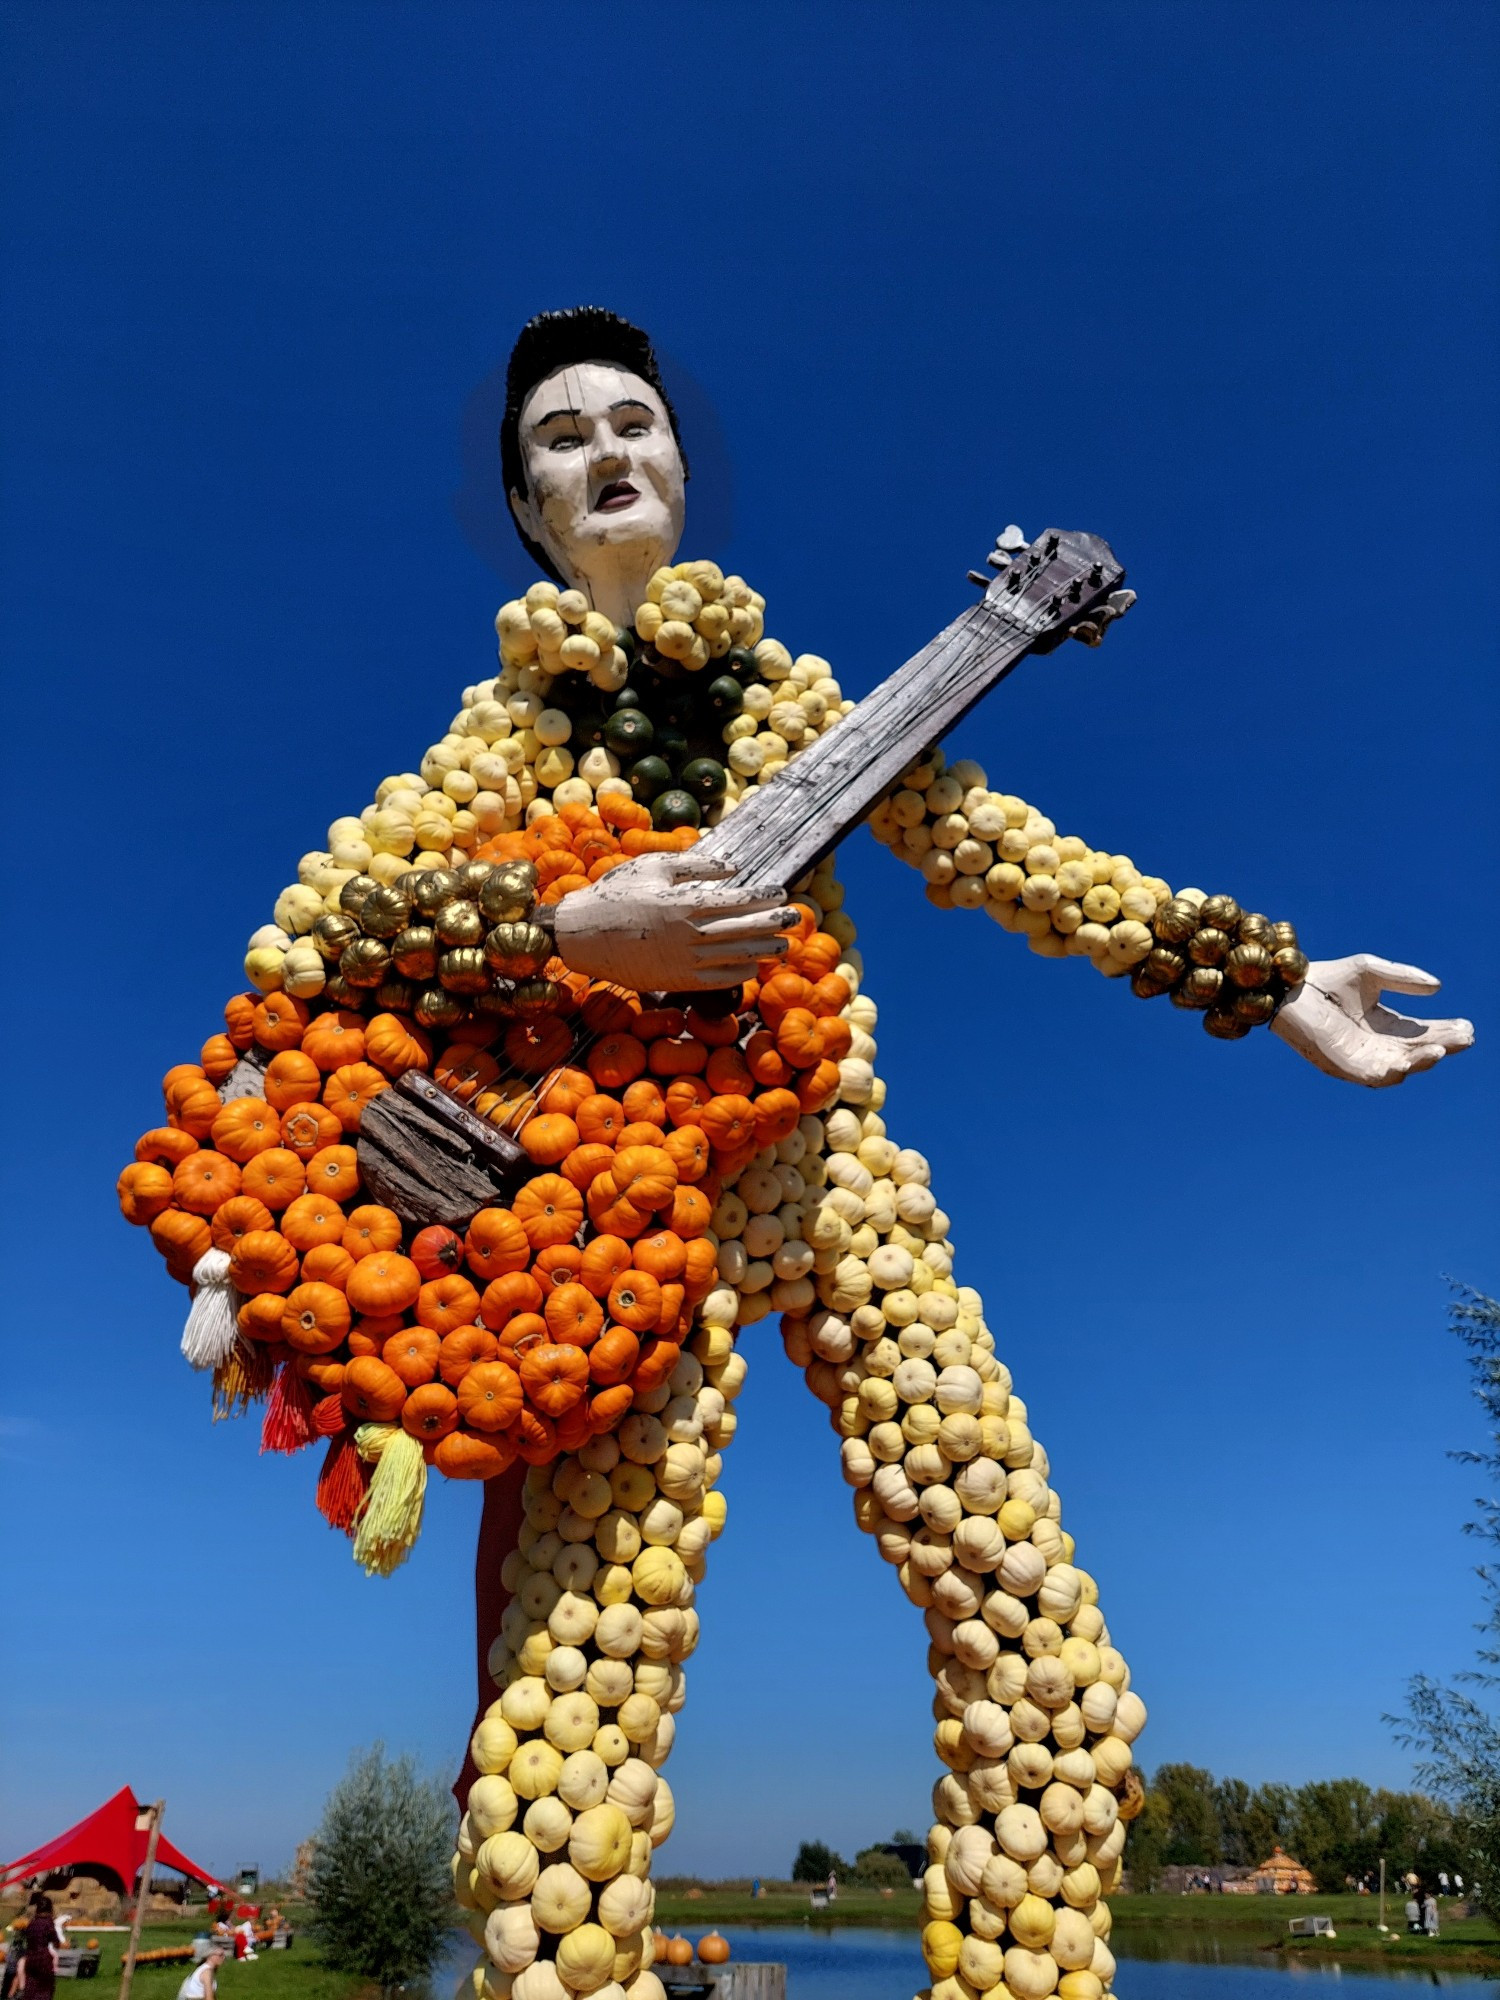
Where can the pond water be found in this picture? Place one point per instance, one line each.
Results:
(868, 1964)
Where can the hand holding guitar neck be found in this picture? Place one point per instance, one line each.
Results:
(668, 923)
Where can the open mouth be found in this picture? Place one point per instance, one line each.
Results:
(615, 497)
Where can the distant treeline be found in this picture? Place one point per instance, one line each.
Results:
(1338, 1828)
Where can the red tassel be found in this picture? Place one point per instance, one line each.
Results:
(287, 1425)
(341, 1483)
(328, 1416)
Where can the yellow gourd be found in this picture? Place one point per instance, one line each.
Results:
(599, 1845)
(585, 1958)
(535, 1769)
(625, 1906)
(941, 1943)
(560, 1898)
(492, 1745)
(571, 1722)
(1032, 1921)
(508, 1861)
(492, 1805)
(583, 1780)
(547, 1824)
(632, 1787)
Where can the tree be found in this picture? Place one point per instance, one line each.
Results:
(1192, 1814)
(816, 1861)
(1146, 1841)
(1336, 1832)
(380, 1886)
(878, 1868)
(904, 1837)
(1455, 1735)
(1269, 1819)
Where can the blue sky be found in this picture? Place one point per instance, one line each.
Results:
(1218, 285)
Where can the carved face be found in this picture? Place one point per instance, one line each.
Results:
(603, 473)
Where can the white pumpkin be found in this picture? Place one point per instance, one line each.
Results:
(509, 1862)
(1020, 1832)
(511, 1937)
(540, 1981)
(583, 1780)
(599, 1846)
(492, 1745)
(560, 1898)
(968, 1853)
(547, 1824)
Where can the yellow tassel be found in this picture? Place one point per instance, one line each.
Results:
(241, 1378)
(390, 1516)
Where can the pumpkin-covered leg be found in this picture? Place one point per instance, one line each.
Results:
(1033, 1710)
(568, 1802)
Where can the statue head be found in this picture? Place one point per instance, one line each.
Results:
(590, 456)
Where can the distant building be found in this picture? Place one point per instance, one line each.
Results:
(1281, 1875)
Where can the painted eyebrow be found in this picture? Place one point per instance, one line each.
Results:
(553, 415)
(633, 403)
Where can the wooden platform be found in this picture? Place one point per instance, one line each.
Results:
(735, 1981)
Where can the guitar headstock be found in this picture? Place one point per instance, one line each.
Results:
(1064, 585)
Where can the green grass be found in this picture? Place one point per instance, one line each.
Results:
(785, 1904)
(297, 1974)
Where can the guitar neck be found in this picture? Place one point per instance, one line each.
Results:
(780, 830)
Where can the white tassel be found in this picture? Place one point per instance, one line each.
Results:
(212, 1322)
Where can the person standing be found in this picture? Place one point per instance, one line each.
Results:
(39, 1946)
(1430, 1914)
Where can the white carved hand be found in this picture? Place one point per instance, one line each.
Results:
(1335, 1019)
(668, 923)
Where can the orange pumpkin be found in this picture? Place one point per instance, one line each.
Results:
(719, 1034)
(444, 1303)
(686, 1056)
(292, 1078)
(565, 1090)
(237, 1218)
(496, 1243)
(645, 1176)
(239, 1019)
(307, 1128)
(830, 994)
(601, 1119)
(609, 1407)
(782, 991)
(260, 1318)
(522, 1331)
(549, 1209)
(511, 1293)
(413, 1353)
(280, 1020)
(554, 1377)
(436, 1251)
(202, 1181)
(430, 1413)
(670, 1322)
(490, 1396)
(335, 1039)
(688, 1150)
(818, 1086)
(658, 1359)
(369, 1229)
(334, 1170)
(728, 1073)
(548, 1138)
(815, 957)
(534, 1046)
(635, 1300)
(573, 1315)
(322, 1373)
(700, 1272)
(766, 1063)
(262, 1261)
(728, 1122)
(328, 1264)
(609, 1010)
(691, 1212)
(459, 1350)
(218, 1057)
(373, 1391)
(610, 1213)
(657, 1024)
(315, 1318)
(604, 1259)
(576, 1427)
(275, 1177)
(350, 1089)
(383, 1283)
(464, 1071)
(685, 1099)
(662, 1254)
(644, 1102)
(164, 1147)
(244, 1127)
(461, 1455)
(193, 1105)
(799, 1037)
(776, 1114)
(616, 1060)
(312, 1219)
(145, 1192)
(639, 1132)
(614, 1356)
(557, 1265)
(585, 1163)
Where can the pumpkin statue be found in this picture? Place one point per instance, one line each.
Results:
(548, 1083)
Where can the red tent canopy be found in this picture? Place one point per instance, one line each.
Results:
(113, 1838)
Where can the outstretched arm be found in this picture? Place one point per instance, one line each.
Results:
(979, 849)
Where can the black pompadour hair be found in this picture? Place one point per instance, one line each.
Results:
(554, 340)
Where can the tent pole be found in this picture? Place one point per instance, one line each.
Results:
(127, 1970)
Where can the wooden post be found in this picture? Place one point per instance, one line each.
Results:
(1382, 1892)
(127, 1970)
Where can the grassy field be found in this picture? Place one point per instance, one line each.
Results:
(1195, 1929)
(274, 1975)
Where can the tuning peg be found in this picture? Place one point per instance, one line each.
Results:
(1011, 540)
(998, 559)
(1119, 602)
